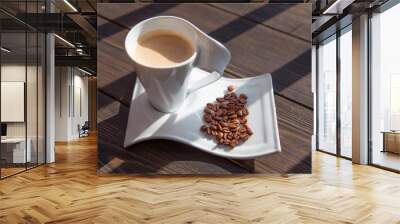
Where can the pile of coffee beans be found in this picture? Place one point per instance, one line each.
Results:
(226, 119)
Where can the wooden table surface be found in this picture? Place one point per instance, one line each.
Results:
(263, 38)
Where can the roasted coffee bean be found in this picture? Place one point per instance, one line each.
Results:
(227, 96)
(218, 118)
(249, 131)
(235, 121)
(232, 125)
(232, 105)
(224, 105)
(207, 118)
(229, 113)
(227, 119)
(220, 100)
(208, 111)
(233, 116)
(219, 127)
(215, 108)
(231, 88)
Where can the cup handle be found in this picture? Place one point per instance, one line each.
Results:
(213, 57)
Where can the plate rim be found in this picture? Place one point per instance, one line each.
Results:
(277, 146)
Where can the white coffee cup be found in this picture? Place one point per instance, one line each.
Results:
(167, 87)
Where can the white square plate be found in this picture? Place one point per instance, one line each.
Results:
(183, 126)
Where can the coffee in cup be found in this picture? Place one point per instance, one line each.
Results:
(162, 48)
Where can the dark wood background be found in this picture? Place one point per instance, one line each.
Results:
(263, 38)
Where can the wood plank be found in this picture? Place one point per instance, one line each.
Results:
(291, 19)
(150, 157)
(116, 78)
(265, 50)
(116, 73)
(294, 120)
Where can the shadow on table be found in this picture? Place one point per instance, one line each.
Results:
(138, 15)
(240, 25)
(168, 157)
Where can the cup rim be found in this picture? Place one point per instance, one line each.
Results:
(191, 58)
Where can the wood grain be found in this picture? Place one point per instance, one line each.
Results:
(116, 78)
(260, 49)
(291, 19)
(70, 191)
